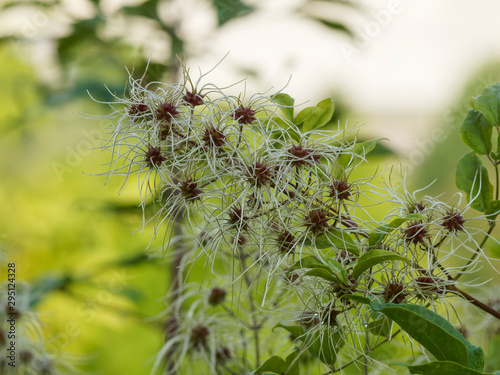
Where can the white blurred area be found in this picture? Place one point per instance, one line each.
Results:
(398, 76)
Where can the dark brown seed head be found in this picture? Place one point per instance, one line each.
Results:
(260, 174)
(213, 137)
(217, 296)
(244, 115)
(137, 109)
(199, 336)
(394, 292)
(153, 156)
(189, 189)
(302, 156)
(166, 112)
(317, 220)
(193, 99)
(286, 241)
(341, 190)
(236, 218)
(453, 222)
(416, 233)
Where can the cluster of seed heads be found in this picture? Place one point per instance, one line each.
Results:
(249, 181)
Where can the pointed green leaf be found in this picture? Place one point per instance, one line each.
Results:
(296, 331)
(338, 270)
(274, 364)
(357, 298)
(309, 262)
(337, 238)
(488, 103)
(442, 368)
(476, 132)
(307, 118)
(327, 343)
(378, 235)
(472, 177)
(286, 103)
(326, 106)
(278, 365)
(433, 332)
(324, 274)
(374, 257)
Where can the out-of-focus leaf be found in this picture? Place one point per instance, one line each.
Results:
(84, 32)
(334, 25)
(488, 103)
(47, 284)
(148, 9)
(476, 132)
(230, 9)
(472, 177)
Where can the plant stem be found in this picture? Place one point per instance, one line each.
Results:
(255, 326)
(475, 301)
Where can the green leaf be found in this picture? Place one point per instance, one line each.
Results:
(307, 118)
(357, 298)
(488, 103)
(326, 106)
(338, 270)
(336, 238)
(324, 274)
(472, 177)
(311, 118)
(378, 235)
(323, 344)
(476, 132)
(493, 209)
(442, 368)
(296, 331)
(230, 9)
(326, 345)
(373, 257)
(286, 103)
(309, 262)
(280, 366)
(433, 332)
(337, 26)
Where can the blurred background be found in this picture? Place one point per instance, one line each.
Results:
(404, 69)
